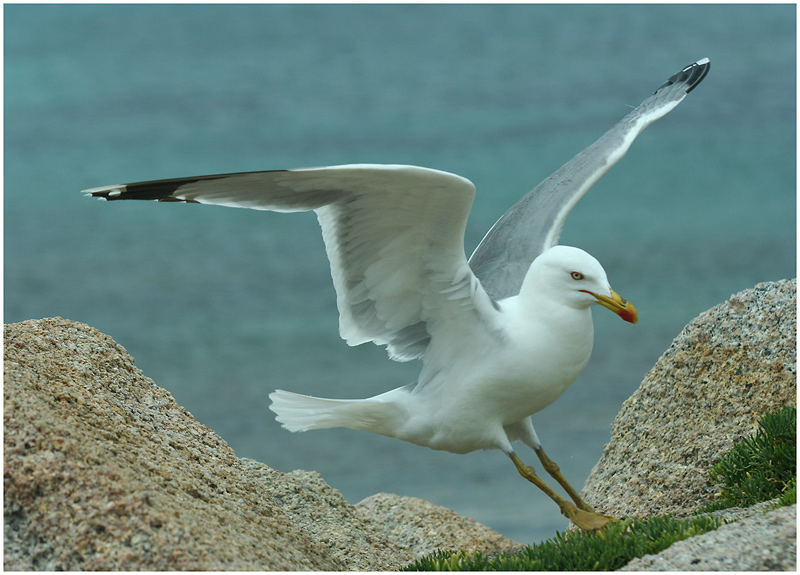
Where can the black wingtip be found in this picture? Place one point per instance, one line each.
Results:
(695, 73)
(158, 190)
(172, 190)
(105, 193)
(691, 75)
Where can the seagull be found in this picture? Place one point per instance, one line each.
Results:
(501, 335)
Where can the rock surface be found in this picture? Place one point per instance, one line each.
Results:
(425, 527)
(104, 471)
(729, 548)
(726, 369)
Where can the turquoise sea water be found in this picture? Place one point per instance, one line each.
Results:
(222, 306)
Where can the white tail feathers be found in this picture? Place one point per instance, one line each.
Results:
(302, 412)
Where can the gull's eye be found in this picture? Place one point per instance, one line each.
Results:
(577, 275)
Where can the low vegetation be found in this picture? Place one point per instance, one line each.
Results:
(762, 466)
(759, 468)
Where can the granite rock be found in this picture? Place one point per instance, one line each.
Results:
(105, 471)
(762, 542)
(424, 527)
(727, 368)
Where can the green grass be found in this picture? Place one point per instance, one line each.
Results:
(789, 496)
(759, 468)
(606, 551)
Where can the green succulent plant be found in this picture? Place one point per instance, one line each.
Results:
(759, 468)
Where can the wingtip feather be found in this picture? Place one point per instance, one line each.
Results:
(690, 76)
(105, 192)
(696, 73)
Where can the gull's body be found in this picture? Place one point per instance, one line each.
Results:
(484, 372)
(501, 335)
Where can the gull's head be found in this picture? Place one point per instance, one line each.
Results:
(573, 277)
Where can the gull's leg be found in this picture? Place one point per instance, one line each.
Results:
(527, 434)
(524, 431)
(555, 472)
(586, 520)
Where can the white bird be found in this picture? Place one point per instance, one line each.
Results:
(501, 335)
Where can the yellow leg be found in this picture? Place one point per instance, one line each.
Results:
(586, 520)
(555, 472)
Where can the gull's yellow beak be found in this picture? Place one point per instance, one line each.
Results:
(619, 306)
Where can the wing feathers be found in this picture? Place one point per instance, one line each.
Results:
(394, 237)
(394, 234)
(534, 224)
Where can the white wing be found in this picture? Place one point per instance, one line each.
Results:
(534, 224)
(394, 237)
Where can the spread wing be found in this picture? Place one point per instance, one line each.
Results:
(534, 224)
(394, 237)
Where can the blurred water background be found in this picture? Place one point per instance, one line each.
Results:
(222, 306)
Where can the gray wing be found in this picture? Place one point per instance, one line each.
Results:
(534, 224)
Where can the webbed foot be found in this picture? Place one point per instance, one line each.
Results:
(587, 520)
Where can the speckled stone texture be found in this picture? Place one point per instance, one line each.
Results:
(726, 369)
(425, 527)
(104, 471)
(731, 548)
